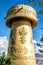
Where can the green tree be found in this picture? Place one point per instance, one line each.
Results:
(38, 4)
(5, 60)
(41, 45)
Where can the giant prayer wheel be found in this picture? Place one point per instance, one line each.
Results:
(21, 19)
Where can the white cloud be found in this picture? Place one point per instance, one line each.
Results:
(36, 51)
(3, 44)
(34, 41)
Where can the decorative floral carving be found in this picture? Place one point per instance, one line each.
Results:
(22, 39)
(12, 37)
(12, 41)
(22, 33)
(15, 50)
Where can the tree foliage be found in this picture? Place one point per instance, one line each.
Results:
(39, 45)
(41, 51)
(5, 60)
(37, 3)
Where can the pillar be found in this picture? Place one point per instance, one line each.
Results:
(21, 19)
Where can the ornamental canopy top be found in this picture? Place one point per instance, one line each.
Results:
(21, 11)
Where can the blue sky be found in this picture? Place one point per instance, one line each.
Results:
(5, 31)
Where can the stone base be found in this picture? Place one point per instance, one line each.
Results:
(24, 62)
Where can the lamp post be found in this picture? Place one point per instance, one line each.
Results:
(21, 19)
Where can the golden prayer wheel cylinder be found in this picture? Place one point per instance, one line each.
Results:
(21, 19)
